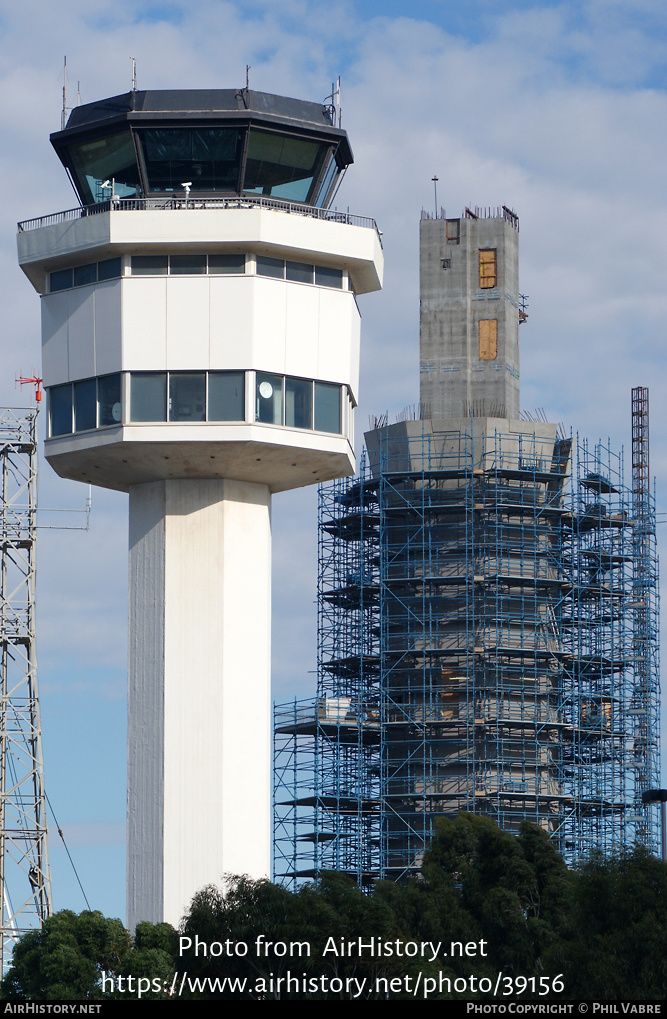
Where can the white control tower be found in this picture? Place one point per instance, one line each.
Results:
(201, 352)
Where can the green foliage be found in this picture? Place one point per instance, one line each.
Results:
(65, 960)
(604, 928)
(614, 946)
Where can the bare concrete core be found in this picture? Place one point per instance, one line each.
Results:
(469, 317)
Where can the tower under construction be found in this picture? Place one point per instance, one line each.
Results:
(488, 608)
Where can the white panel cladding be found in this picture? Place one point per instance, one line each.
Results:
(55, 360)
(188, 327)
(301, 317)
(203, 323)
(145, 716)
(355, 347)
(206, 647)
(81, 332)
(231, 321)
(144, 323)
(108, 327)
(338, 335)
(268, 332)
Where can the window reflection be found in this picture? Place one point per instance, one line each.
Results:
(327, 407)
(60, 403)
(208, 157)
(281, 165)
(214, 396)
(298, 403)
(85, 405)
(148, 396)
(226, 396)
(269, 399)
(108, 400)
(110, 158)
(187, 396)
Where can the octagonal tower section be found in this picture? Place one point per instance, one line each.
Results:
(200, 339)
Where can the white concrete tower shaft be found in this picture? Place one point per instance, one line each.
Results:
(199, 688)
(201, 352)
(469, 316)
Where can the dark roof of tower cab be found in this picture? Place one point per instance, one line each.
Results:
(159, 105)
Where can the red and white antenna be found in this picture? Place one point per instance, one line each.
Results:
(37, 383)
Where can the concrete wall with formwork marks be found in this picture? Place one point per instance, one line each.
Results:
(469, 317)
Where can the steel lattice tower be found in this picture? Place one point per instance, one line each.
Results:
(25, 879)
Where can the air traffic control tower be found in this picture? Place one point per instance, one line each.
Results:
(201, 352)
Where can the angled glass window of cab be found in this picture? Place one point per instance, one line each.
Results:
(207, 157)
(101, 162)
(282, 166)
(327, 184)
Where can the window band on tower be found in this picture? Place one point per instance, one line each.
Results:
(212, 397)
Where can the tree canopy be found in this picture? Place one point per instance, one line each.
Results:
(486, 902)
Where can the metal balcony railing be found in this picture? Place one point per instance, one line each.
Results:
(170, 204)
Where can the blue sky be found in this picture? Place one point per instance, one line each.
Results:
(554, 109)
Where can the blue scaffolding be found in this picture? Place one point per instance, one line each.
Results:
(488, 641)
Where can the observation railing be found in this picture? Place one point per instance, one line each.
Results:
(171, 204)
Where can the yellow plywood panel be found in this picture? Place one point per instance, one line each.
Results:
(488, 268)
(488, 339)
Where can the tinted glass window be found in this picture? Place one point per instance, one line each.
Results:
(327, 183)
(327, 408)
(63, 279)
(226, 396)
(60, 402)
(226, 263)
(299, 272)
(85, 405)
(270, 267)
(109, 269)
(190, 265)
(105, 160)
(298, 403)
(149, 265)
(148, 396)
(208, 157)
(269, 399)
(108, 398)
(187, 396)
(327, 277)
(281, 165)
(85, 274)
